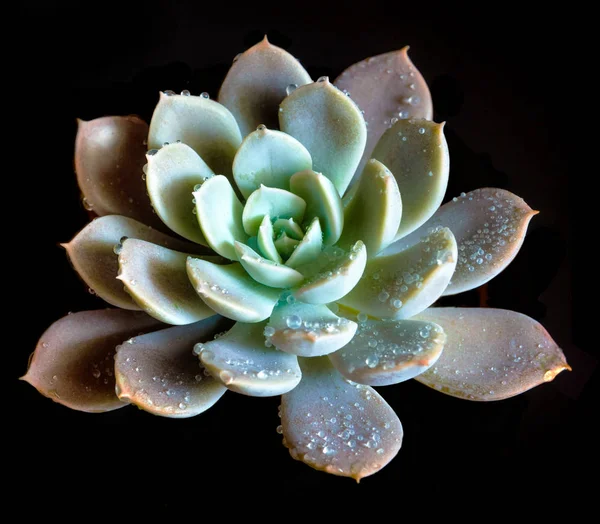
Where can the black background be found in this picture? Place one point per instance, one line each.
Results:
(510, 89)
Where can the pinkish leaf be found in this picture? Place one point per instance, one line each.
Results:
(491, 354)
(256, 84)
(160, 374)
(489, 225)
(386, 87)
(385, 352)
(73, 362)
(337, 426)
(93, 254)
(110, 154)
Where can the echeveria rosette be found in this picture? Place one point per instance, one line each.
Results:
(304, 260)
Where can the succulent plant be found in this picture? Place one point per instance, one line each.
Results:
(306, 251)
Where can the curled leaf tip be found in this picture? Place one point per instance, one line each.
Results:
(550, 375)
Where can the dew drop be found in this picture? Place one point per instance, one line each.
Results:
(291, 88)
(293, 321)
(205, 95)
(226, 377)
(185, 92)
(383, 296)
(372, 360)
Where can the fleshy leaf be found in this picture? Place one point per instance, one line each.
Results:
(309, 247)
(308, 330)
(92, 253)
(415, 151)
(219, 214)
(322, 201)
(277, 203)
(204, 125)
(385, 352)
(156, 279)
(337, 426)
(402, 285)
(290, 227)
(256, 83)
(372, 209)
(491, 354)
(286, 245)
(268, 158)
(387, 88)
(330, 126)
(240, 360)
(160, 374)
(230, 291)
(110, 153)
(266, 272)
(336, 277)
(265, 240)
(73, 362)
(171, 176)
(489, 225)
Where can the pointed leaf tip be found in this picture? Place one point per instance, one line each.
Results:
(489, 225)
(73, 362)
(416, 152)
(491, 354)
(256, 84)
(337, 426)
(387, 88)
(93, 253)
